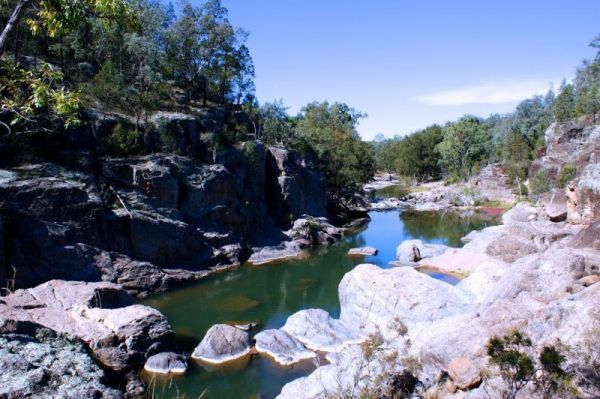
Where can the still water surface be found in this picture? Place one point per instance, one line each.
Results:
(269, 294)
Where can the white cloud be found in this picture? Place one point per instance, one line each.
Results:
(492, 93)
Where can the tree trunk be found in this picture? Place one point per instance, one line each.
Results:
(10, 25)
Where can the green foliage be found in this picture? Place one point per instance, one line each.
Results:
(32, 96)
(58, 17)
(516, 173)
(277, 128)
(124, 141)
(540, 183)
(552, 378)
(330, 132)
(464, 143)
(413, 155)
(566, 174)
(512, 355)
(208, 56)
(136, 47)
(509, 354)
(564, 108)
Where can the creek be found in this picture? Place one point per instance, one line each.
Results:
(268, 294)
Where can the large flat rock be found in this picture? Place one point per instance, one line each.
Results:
(410, 252)
(318, 331)
(375, 299)
(456, 261)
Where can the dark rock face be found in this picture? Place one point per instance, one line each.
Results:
(179, 133)
(3, 266)
(294, 186)
(37, 362)
(151, 222)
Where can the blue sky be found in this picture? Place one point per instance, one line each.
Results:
(408, 64)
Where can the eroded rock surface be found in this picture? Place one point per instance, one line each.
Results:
(37, 362)
(102, 315)
(531, 274)
(153, 222)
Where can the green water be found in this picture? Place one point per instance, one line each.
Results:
(269, 294)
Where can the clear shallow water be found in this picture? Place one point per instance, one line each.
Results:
(269, 294)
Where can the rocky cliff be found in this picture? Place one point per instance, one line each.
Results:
(147, 222)
(574, 144)
(83, 233)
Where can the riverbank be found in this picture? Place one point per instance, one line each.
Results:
(529, 274)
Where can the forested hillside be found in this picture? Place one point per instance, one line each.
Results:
(459, 149)
(133, 60)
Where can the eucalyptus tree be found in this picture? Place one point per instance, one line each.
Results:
(58, 17)
(465, 144)
(330, 132)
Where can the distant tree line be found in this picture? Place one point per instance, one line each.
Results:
(460, 148)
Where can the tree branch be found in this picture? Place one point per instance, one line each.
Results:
(12, 22)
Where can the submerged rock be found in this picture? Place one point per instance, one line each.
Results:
(222, 343)
(282, 347)
(286, 250)
(318, 331)
(363, 251)
(166, 363)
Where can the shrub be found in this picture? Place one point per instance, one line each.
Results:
(509, 354)
(512, 354)
(540, 183)
(567, 173)
(520, 189)
(517, 172)
(124, 141)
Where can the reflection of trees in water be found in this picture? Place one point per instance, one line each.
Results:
(449, 226)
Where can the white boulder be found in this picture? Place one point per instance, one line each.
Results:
(318, 331)
(282, 347)
(222, 343)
